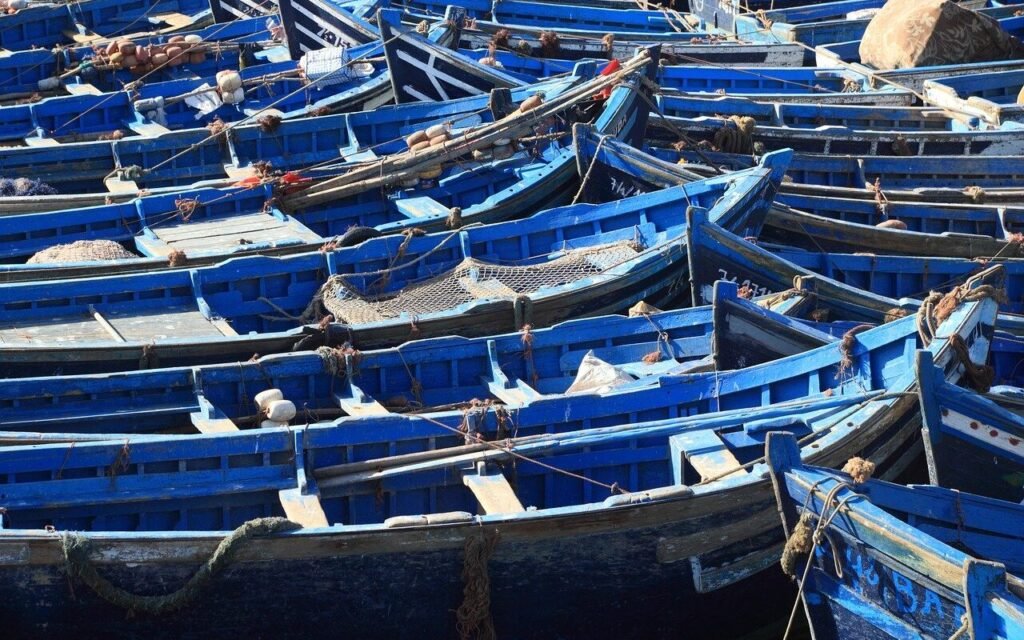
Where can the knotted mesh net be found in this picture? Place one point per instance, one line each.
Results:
(472, 280)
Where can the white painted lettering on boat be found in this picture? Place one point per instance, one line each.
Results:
(904, 595)
(756, 288)
(625, 189)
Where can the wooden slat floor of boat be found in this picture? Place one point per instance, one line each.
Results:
(205, 236)
(162, 324)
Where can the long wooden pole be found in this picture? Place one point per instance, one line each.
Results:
(399, 166)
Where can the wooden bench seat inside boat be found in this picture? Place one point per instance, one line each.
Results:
(218, 235)
(156, 324)
(705, 451)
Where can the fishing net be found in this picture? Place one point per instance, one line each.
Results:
(83, 251)
(24, 187)
(472, 280)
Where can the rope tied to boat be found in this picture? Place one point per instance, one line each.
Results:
(473, 616)
(550, 44)
(937, 307)
(186, 207)
(803, 540)
(881, 202)
(976, 194)
(76, 550)
(149, 359)
(527, 339)
(846, 346)
(894, 314)
(782, 296)
(901, 147)
(269, 123)
(129, 173)
(964, 630)
(473, 421)
(735, 135)
(608, 41)
(799, 544)
(334, 358)
(217, 128)
(454, 219)
(501, 38)
(979, 376)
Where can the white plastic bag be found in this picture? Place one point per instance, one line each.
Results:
(597, 376)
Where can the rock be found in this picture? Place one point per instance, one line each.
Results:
(920, 33)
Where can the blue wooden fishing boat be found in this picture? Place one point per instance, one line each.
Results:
(181, 158)
(46, 25)
(216, 223)
(32, 71)
(972, 444)
(722, 14)
(234, 43)
(904, 276)
(82, 92)
(768, 111)
(420, 377)
(479, 34)
(889, 561)
(688, 75)
(311, 25)
(562, 263)
(575, 20)
(159, 107)
(817, 222)
(945, 179)
(991, 96)
(378, 505)
(868, 292)
(830, 22)
(728, 135)
(847, 54)
(451, 74)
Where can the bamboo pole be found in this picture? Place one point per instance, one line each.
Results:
(395, 168)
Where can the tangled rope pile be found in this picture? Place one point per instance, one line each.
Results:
(736, 136)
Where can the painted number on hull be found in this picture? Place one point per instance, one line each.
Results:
(753, 286)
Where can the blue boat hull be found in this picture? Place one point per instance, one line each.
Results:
(607, 583)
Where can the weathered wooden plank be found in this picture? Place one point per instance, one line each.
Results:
(706, 452)
(213, 425)
(176, 322)
(304, 509)
(492, 491)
